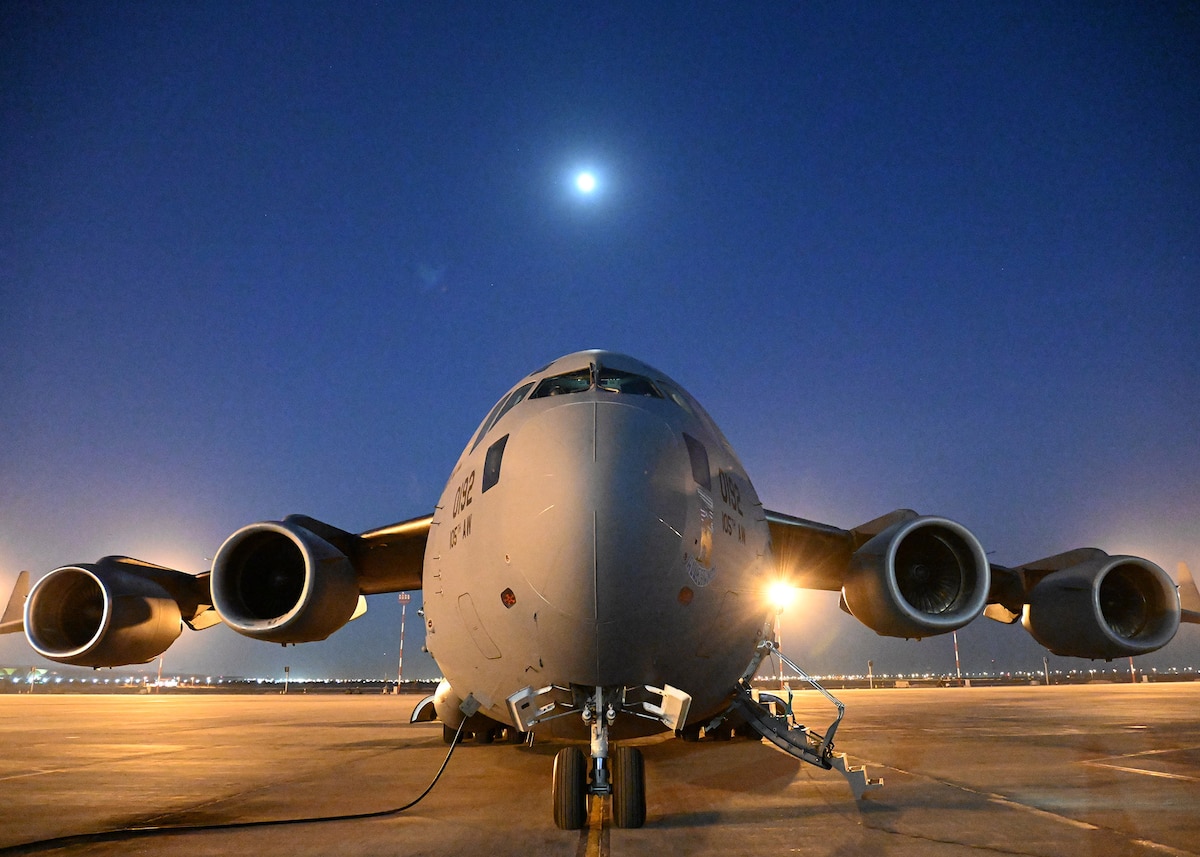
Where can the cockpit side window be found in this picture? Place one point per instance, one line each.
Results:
(502, 407)
(515, 398)
(487, 423)
(675, 396)
(571, 382)
(694, 408)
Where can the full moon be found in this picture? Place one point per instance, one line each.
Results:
(586, 182)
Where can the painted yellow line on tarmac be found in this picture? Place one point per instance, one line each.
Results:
(594, 842)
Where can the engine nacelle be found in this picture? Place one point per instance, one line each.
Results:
(278, 581)
(1108, 607)
(99, 615)
(917, 578)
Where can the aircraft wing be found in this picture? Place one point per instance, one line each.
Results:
(292, 581)
(391, 558)
(1189, 596)
(907, 575)
(812, 555)
(13, 619)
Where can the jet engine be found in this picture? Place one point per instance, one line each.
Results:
(918, 577)
(102, 614)
(1108, 607)
(280, 582)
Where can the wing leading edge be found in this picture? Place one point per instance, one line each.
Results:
(1189, 596)
(13, 619)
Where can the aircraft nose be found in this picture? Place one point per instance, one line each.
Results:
(595, 514)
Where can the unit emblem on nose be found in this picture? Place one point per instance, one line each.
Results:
(699, 565)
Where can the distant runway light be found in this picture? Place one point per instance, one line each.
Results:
(586, 182)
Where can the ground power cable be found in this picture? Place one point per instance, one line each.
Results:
(123, 833)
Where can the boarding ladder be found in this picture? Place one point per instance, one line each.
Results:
(772, 717)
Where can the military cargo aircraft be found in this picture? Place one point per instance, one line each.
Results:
(596, 569)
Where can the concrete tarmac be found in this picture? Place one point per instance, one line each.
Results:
(1096, 770)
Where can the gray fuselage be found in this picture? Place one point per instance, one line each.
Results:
(597, 531)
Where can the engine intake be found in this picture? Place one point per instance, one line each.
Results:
(100, 615)
(917, 578)
(280, 582)
(1108, 607)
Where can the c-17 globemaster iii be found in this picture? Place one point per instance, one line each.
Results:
(596, 569)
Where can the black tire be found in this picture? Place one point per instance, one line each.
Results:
(690, 733)
(629, 787)
(485, 736)
(570, 788)
(513, 735)
(448, 734)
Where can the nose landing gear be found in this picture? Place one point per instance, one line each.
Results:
(620, 775)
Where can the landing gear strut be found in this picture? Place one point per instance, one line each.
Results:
(621, 774)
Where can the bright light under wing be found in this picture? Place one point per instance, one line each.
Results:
(781, 595)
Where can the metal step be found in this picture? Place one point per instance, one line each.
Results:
(856, 776)
(776, 722)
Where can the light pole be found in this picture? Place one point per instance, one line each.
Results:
(781, 595)
(404, 599)
(957, 665)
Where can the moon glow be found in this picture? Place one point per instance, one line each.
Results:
(586, 182)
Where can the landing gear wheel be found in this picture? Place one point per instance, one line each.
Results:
(690, 733)
(485, 736)
(629, 787)
(448, 734)
(570, 788)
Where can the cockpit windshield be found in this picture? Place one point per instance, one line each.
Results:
(600, 377)
(557, 385)
(616, 381)
(594, 377)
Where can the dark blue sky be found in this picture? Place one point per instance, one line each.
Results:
(268, 258)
